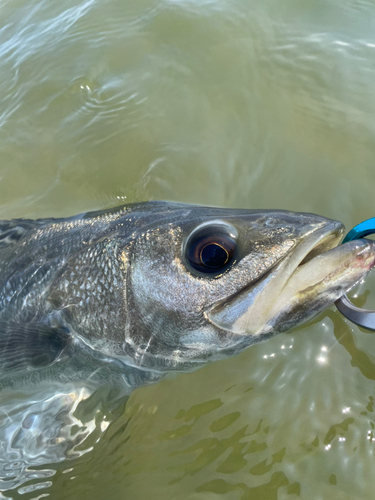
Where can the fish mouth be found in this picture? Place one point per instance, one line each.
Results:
(312, 276)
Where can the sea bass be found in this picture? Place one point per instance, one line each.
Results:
(128, 294)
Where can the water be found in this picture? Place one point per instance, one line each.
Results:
(232, 103)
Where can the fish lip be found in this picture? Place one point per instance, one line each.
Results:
(312, 244)
(331, 233)
(348, 264)
(322, 240)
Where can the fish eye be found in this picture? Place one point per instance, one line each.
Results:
(211, 249)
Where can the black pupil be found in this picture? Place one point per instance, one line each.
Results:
(210, 252)
(214, 256)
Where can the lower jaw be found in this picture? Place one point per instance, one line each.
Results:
(286, 299)
(350, 262)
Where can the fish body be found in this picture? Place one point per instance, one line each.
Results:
(133, 292)
(95, 305)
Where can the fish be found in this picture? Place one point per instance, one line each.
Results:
(128, 294)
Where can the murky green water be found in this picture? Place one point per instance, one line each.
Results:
(233, 103)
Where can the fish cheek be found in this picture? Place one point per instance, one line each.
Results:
(160, 308)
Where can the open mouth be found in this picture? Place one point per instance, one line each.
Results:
(307, 280)
(322, 241)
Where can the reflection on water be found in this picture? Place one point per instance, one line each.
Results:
(48, 425)
(240, 103)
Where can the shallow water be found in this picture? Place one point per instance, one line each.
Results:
(232, 103)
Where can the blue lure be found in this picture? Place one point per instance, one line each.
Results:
(361, 317)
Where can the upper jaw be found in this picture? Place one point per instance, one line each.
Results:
(307, 280)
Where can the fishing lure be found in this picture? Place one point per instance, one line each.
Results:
(361, 317)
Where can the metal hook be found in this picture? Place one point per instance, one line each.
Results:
(361, 317)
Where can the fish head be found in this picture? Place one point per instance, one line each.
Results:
(205, 283)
